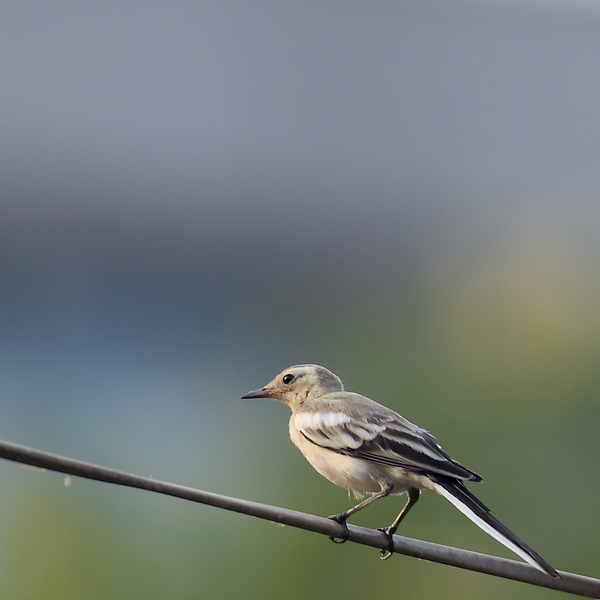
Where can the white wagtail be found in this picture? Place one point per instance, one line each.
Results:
(363, 446)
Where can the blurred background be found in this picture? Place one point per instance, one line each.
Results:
(196, 195)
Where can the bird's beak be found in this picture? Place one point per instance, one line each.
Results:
(263, 392)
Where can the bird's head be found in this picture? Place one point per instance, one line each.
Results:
(295, 385)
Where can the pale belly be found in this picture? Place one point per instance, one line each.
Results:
(355, 474)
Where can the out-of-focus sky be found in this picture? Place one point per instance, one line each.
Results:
(195, 195)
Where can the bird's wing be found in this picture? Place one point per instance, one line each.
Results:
(377, 434)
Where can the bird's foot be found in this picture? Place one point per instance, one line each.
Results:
(341, 519)
(385, 554)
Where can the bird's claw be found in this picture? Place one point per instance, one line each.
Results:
(385, 554)
(341, 519)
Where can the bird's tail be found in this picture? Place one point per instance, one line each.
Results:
(454, 491)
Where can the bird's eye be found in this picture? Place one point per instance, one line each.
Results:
(288, 378)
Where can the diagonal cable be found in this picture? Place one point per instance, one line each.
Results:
(457, 557)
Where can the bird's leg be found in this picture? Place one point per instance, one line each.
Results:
(413, 496)
(386, 488)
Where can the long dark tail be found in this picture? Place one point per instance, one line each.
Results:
(454, 491)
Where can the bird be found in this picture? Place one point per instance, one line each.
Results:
(365, 447)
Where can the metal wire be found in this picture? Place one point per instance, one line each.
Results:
(465, 559)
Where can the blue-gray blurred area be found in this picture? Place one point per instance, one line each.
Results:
(195, 195)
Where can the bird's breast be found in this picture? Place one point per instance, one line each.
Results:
(350, 472)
